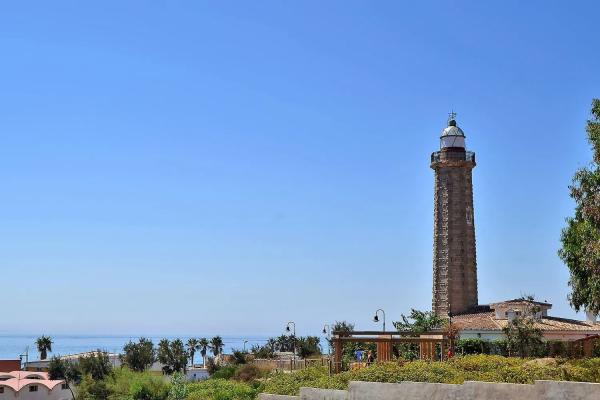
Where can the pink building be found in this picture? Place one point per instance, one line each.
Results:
(26, 385)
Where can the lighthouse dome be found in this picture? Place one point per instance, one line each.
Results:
(452, 136)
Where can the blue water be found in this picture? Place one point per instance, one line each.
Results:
(11, 346)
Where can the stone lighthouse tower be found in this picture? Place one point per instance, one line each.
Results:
(454, 263)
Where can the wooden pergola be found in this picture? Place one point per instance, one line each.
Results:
(427, 342)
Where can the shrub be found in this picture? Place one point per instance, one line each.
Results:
(225, 372)
(221, 389)
(127, 384)
(457, 370)
(247, 373)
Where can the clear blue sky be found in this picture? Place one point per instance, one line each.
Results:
(225, 167)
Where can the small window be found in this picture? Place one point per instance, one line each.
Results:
(65, 386)
(1, 390)
(33, 388)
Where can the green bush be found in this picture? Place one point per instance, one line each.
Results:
(225, 372)
(221, 389)
(457, 370)
(127, 384)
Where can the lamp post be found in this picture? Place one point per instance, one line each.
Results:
(245, 341)
(376, 317)
(287, 328)
(327, 333)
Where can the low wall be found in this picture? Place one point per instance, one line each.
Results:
(541, 390)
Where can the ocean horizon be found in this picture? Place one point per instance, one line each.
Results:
(12, 346)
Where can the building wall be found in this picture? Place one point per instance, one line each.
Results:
(454, 258)
(10, 365)
(43, 393)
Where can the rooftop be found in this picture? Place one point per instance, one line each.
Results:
(485, 320)
(16, 380)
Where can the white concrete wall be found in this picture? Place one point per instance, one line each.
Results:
(323, 394)
(541, 390)
(43, 393)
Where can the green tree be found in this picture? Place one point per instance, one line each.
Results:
(523, 337)
(193, 345)
(139, 356)
(419, 322)
(340, 327)
(308, 346)
(216, 345)
(173, 356)
(59, 369)
(203, 345)
(581, 237)
(44, 345)
(239, 356)
(96, 364)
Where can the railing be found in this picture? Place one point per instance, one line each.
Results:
(452, 156)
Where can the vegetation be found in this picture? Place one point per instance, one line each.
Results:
(419, 322)
(221, 389)
(581, 237)
(305, 346)
(44, 345)
(178, 390)
(96, 365)
(173, 356)
(193, 345)
(62, 369)
(124, 384)
(139, 356)
(523, 337)
(216, 345)
(239, 357)
(203, 347)
(457, 370)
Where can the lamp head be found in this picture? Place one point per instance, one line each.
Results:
(375, 318)
(287, 328)
(324, 331)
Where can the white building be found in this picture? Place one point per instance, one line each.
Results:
(487, 322)
(27, 385)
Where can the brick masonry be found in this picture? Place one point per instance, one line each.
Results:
(454, 255)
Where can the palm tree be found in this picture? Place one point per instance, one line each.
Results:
(203, 345)
(44, 345)
(216, 345)
(192, 345)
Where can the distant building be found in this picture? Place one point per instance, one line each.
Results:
(26, 385)
(42, 365)
(195, 374)
(487, 322)
(10, 365)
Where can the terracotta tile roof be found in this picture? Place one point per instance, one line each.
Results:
(485, 320)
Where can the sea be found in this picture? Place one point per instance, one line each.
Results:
(14, 346)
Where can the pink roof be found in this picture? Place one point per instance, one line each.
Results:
(19, 379)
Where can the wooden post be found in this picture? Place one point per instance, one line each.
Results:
(339, 349)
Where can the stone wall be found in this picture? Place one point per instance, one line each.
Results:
(541, 390)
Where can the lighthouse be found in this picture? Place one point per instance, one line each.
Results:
(454, 255)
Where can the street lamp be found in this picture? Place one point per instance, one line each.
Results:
(245, 341)
(376, 317)
(327, 333)
(287, 328)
